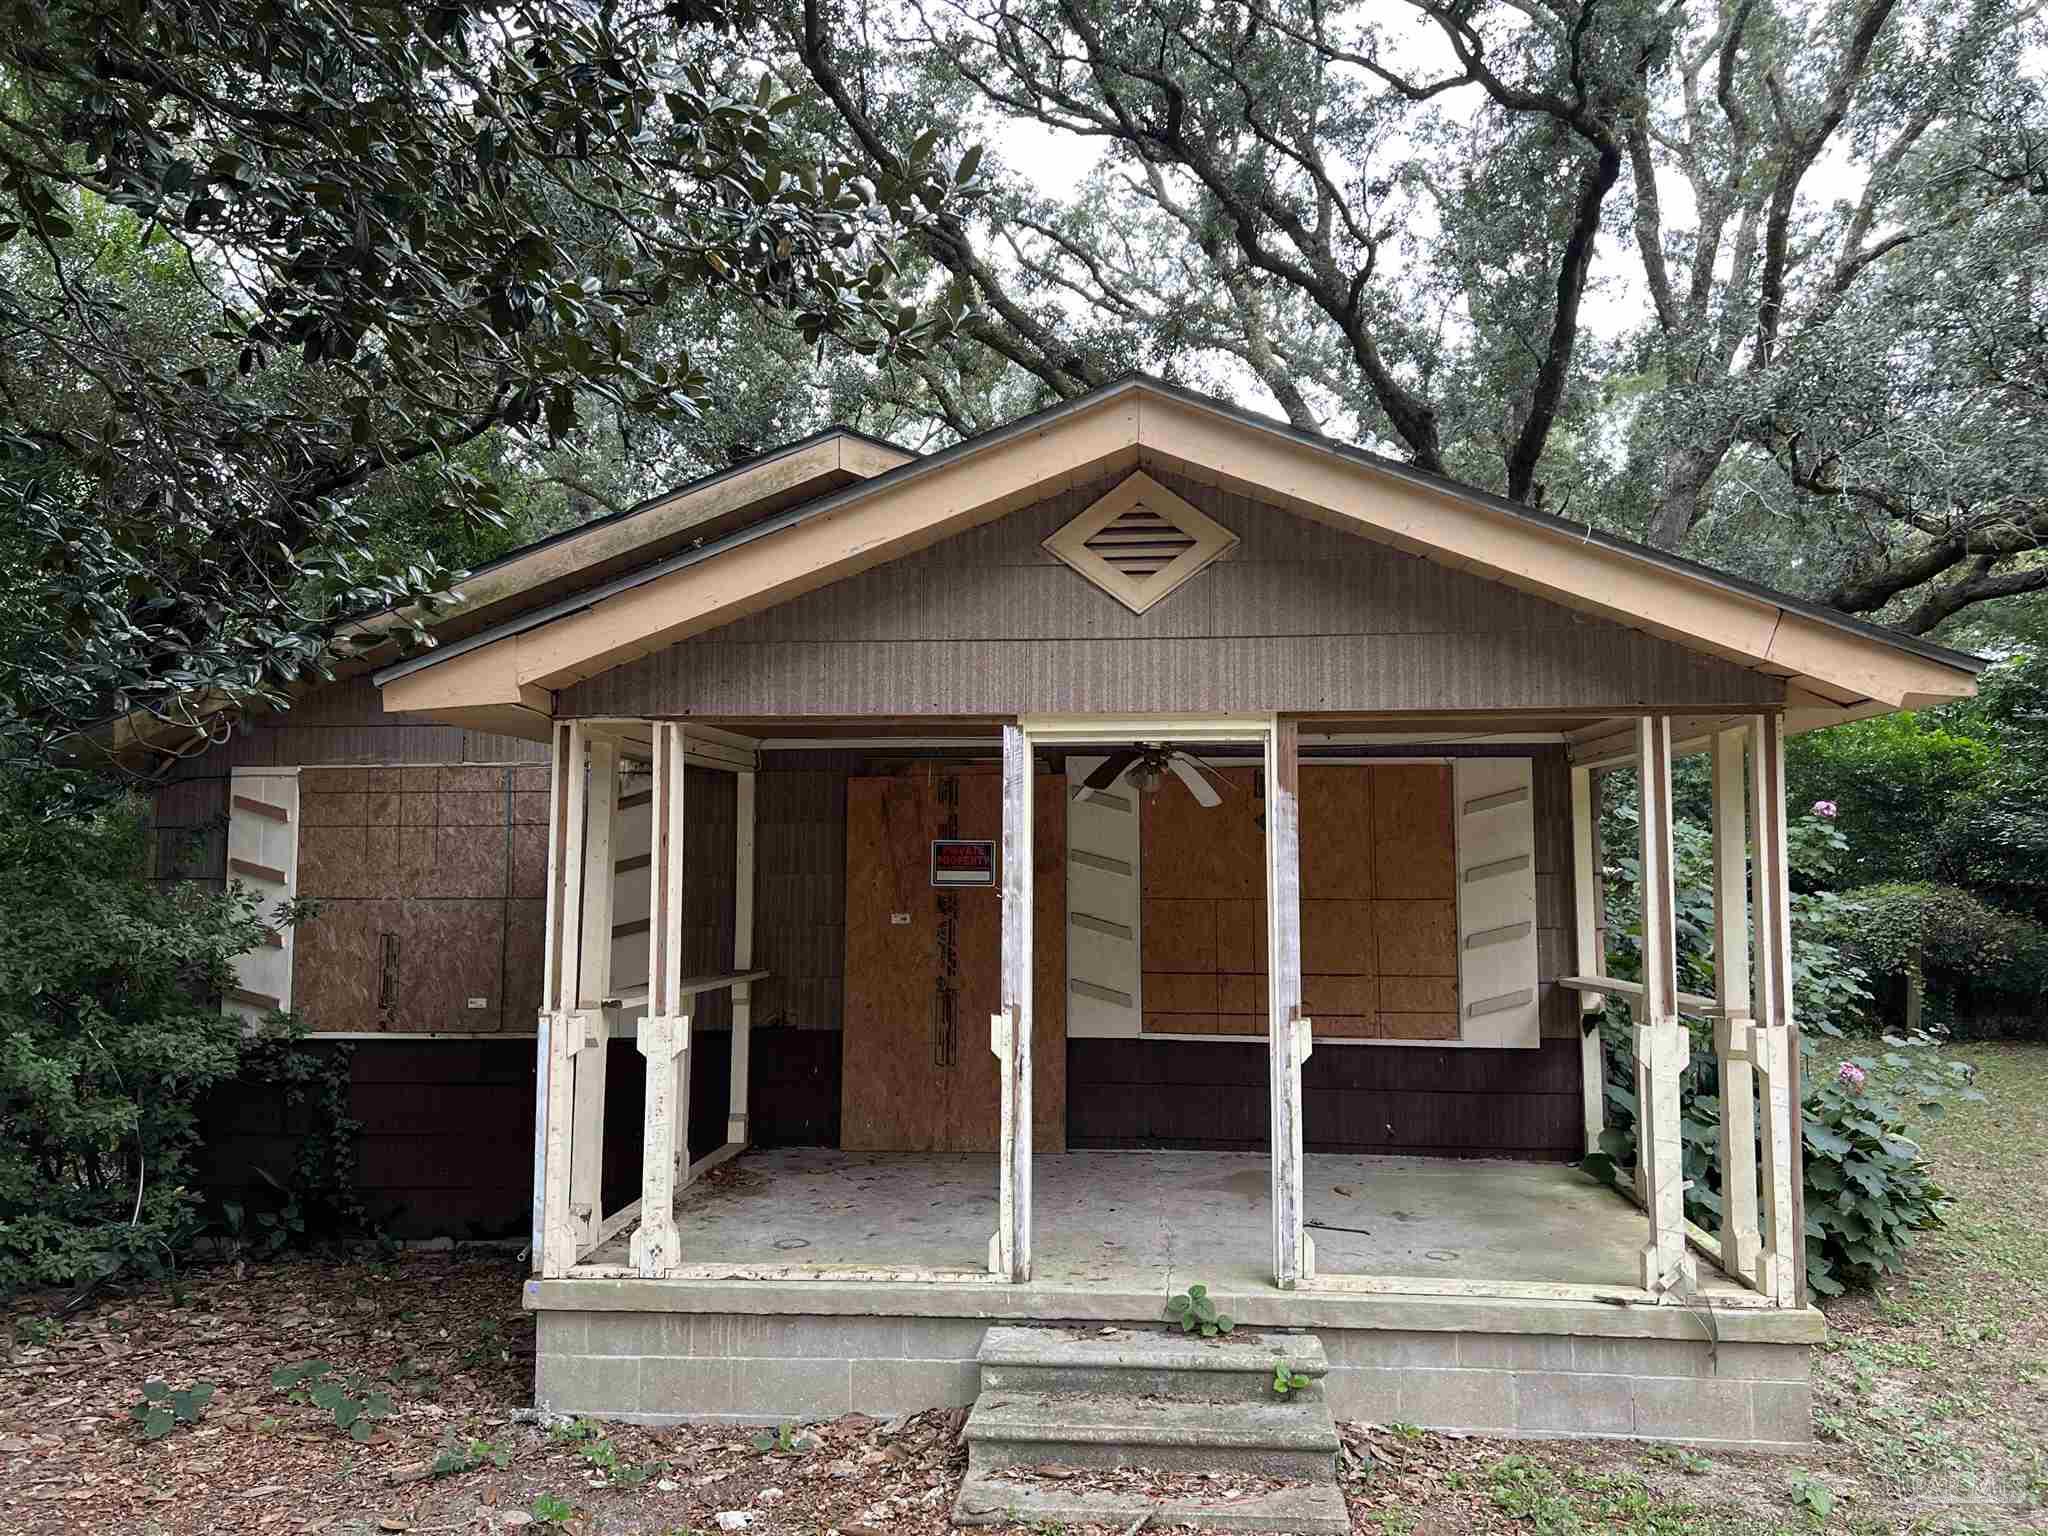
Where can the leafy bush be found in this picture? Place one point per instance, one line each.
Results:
(1868, 1190)
(1958, 946)
(1956, 796)
(1196, 1312)
(109, 1038)
(1830, 982)
(163, 1409)
(355, 1402)
(1867, 1187)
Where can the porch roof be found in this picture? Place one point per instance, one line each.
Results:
(504, 674)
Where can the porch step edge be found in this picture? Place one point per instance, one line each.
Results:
(1144, 1381)
(1316, 1509)
(1247, 1351)
(1289, 1439)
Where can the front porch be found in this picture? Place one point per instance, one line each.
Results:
(1504, 1294)
(1489, 1322)
(1153, 1223)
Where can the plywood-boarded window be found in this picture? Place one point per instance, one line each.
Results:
(1418, 901)
(1379, 911)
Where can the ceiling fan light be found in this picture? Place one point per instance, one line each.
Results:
(1146, 777)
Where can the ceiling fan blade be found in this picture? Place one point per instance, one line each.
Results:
(1192, 774)
(1106, 773)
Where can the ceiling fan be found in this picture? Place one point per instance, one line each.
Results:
(1147, 764)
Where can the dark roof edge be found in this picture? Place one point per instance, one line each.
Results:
(1585, 532)
(688, 487)
(1962, 661)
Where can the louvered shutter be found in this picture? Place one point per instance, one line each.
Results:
(1496, 902)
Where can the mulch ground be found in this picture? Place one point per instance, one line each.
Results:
(445, 1338)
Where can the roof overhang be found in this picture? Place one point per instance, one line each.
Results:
(1835, 667)
(542, 574)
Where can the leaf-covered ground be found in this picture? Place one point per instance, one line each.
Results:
(1931, 1401)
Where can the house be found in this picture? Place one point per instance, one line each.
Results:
(1141, 845)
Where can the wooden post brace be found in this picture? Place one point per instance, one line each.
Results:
(665, 1162)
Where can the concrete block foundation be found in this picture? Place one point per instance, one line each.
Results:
(774, 1352)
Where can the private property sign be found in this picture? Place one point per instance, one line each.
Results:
(958, 861)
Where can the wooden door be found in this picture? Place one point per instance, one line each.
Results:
(924, 967)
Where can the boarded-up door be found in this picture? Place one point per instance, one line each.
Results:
(923, 967)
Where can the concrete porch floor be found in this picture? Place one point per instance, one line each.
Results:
(1156, 1221)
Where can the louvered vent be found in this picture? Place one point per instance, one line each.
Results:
(1140, 542)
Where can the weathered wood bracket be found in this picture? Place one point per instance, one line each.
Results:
(664, 1040)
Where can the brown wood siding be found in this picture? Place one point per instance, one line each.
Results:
(1298, 616)
(800, 890)
(1452, 1101)
(447, 1143)
(345, 723)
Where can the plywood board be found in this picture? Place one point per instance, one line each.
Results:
(1190, 848)
(1337, 938)
(1241, 938)
(1330, 996)
(1416, 938)
(971, 805)
(1246, 997)
(1049, 868)
(1418, 1026)
(1418, 994)
(910, 1081)
(1178, 935)
(1337, 831)
(892, 1084)
(1188, 1024)
(1412, 844)
(1183, 992)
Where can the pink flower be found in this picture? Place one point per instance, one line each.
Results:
(1852, 1077)
(1824, 808)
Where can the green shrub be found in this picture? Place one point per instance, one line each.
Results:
(1960, 948)
(1868, 1190)
(1867, 1187)
(110, 1035)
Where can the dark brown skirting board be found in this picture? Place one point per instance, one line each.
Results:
(1412, 1100)
(447, 1143)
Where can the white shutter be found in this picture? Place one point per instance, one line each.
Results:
(263, 854)
(1105, 981)
(1496, 901)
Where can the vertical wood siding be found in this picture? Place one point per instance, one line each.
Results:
(1298, 616)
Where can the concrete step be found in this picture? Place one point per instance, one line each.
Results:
(1149, 1362)
(1314, 1509)
(1285, 1438)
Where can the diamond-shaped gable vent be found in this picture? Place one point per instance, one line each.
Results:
(1140, 542)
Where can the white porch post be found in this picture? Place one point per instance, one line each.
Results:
(1289, 1038)
(1661, 1042)
(1010, 1030)
(565, 1029)
(1775, 1037)
(1734, 1030)
(742, 956)
(665, 1031)
(1592, 958)
(593, 985)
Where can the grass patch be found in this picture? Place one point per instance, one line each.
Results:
(1938, 1381)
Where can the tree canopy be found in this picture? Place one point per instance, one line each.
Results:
(261, 264)
(1753, 279)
